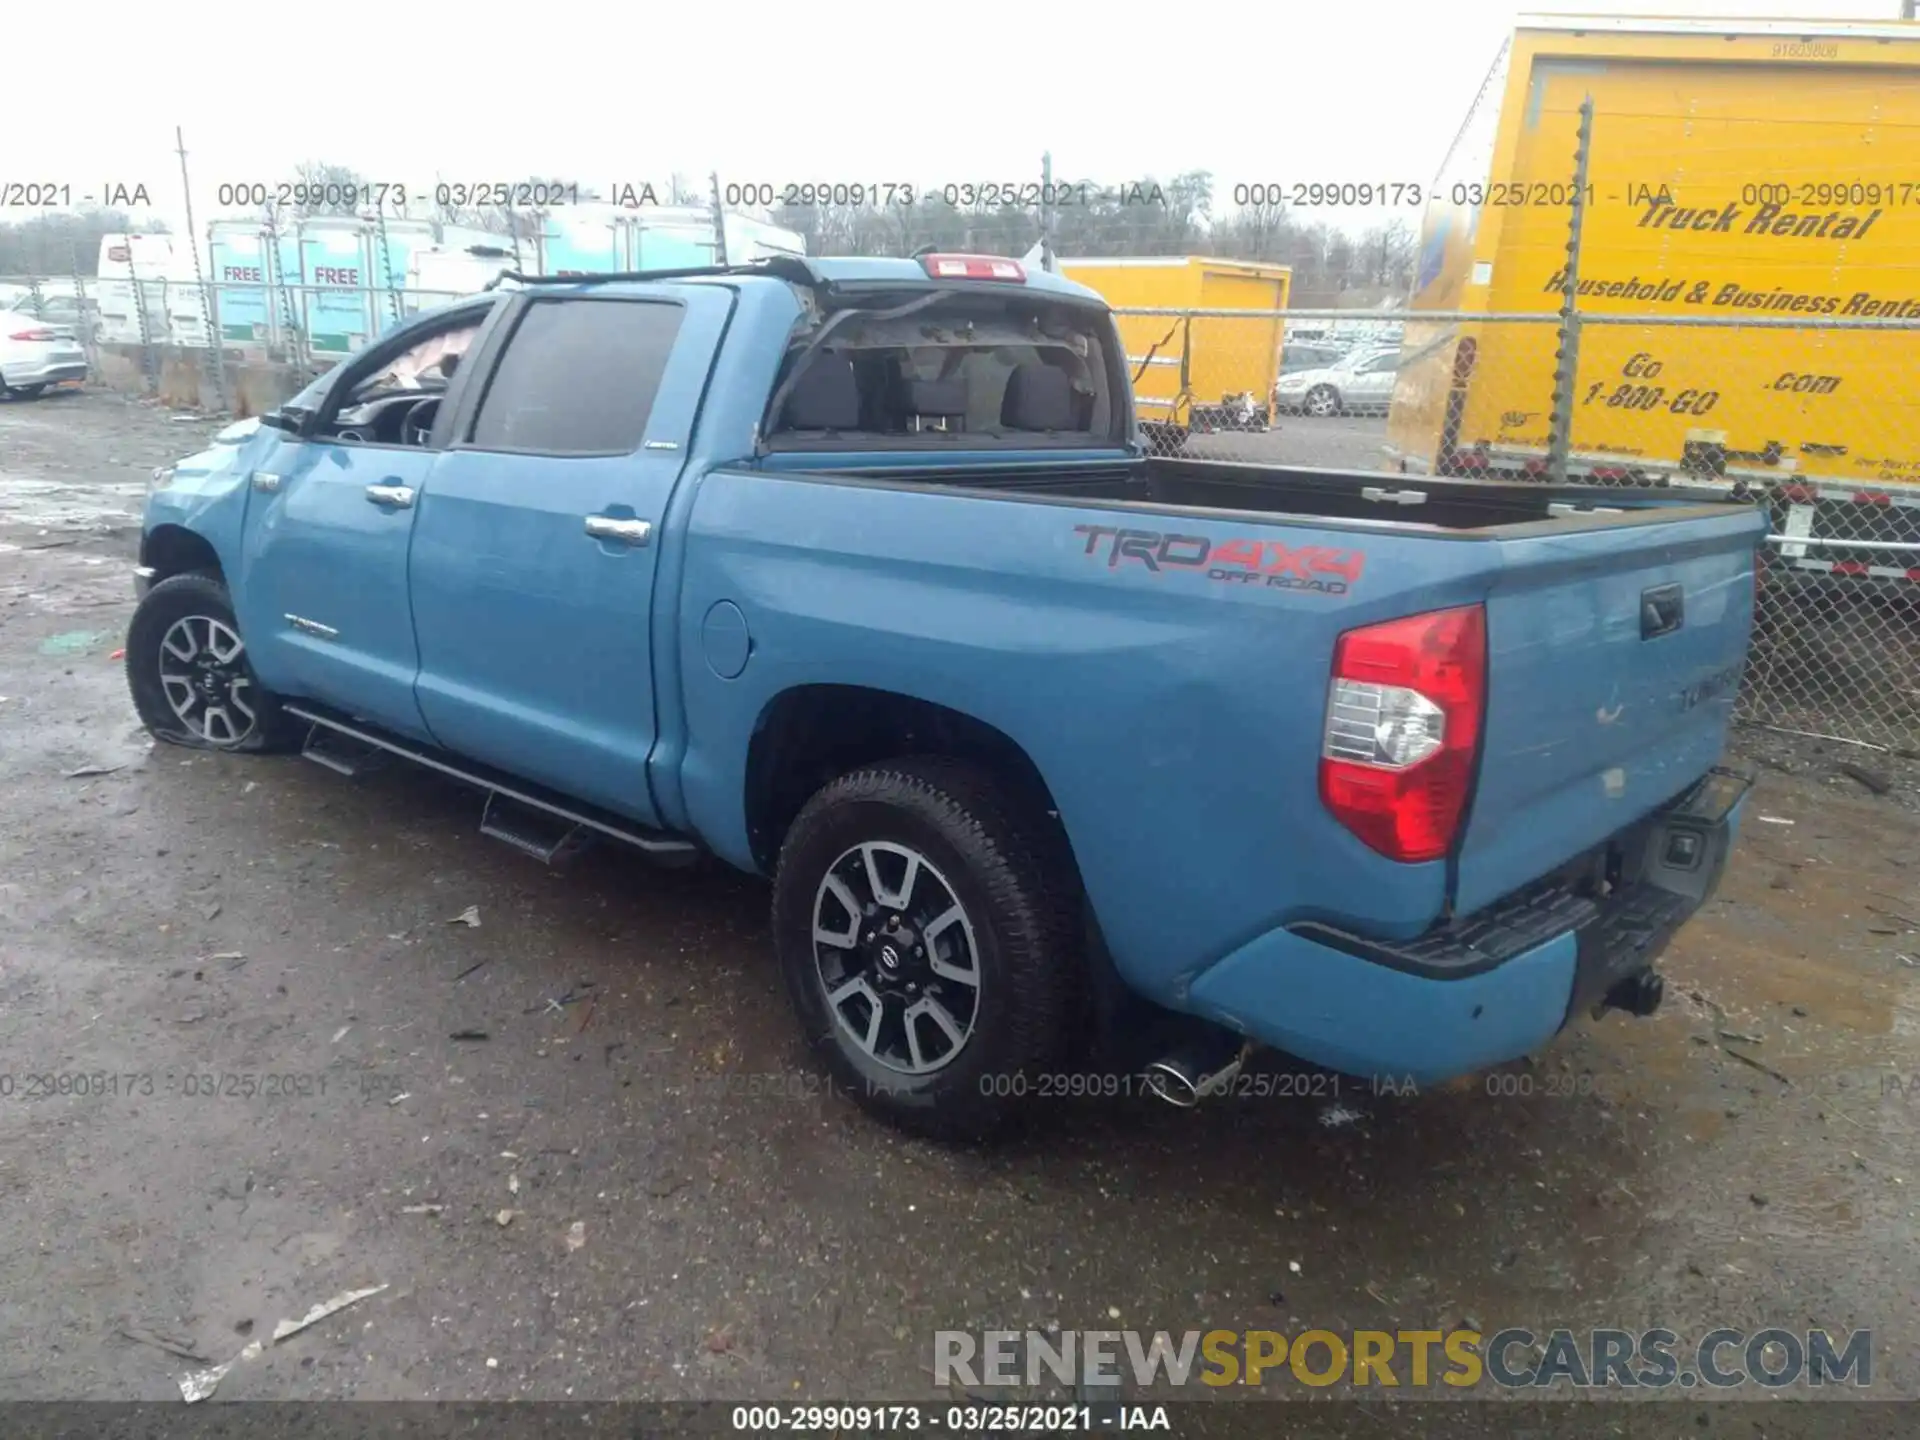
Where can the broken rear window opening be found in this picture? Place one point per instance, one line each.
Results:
(948, 371)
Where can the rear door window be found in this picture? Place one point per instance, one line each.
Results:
(577, 377)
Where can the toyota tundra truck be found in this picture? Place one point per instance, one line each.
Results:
(853, 574)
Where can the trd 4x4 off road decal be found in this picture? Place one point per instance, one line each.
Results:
(1267, 563)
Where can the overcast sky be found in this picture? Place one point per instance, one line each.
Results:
(836, 90)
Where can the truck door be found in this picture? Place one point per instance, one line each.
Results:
(532, 573)
(322, 592)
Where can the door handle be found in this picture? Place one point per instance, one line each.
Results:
(1662, 611)
(265, 483)
(633, 532)
(399, 496)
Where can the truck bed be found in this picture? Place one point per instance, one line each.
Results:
(1319, 497)
(1616, 624)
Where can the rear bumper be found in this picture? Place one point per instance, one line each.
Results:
(1493, 986)
(45, 372)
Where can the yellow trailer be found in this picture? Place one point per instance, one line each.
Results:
(1767, 170)
(1200, 374)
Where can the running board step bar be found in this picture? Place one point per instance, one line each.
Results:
(562, 824)
(343, 754)
(548, 838)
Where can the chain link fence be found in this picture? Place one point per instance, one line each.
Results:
(216, 345)
(1815, 419)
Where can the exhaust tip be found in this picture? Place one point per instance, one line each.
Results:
(1172, 1084)
(1197, 1072)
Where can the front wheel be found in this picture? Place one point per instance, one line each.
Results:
(926, 920)
(1323, 400)
(22, 392)
(188, 673)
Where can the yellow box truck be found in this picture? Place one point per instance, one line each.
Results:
(1765, 170)
(1203, 373)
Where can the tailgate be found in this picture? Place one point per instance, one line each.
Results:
(1613, 659)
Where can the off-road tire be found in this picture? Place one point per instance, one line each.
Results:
(174, 599)
(1008, 864)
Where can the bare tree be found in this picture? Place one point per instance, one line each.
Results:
(64, 242)
(1388, 252)
(520, 208)
(321, 188)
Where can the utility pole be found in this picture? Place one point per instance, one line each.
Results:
(208, 303)
(719, 222)
(1047, 210)
(1566, 369)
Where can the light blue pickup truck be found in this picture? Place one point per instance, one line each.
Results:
(853, 573)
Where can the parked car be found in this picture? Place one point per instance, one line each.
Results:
(1310, 356)
(852, 573)
(1360, 382)
(78, 315)
(37, 352)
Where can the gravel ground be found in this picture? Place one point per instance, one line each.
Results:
(621, 1209)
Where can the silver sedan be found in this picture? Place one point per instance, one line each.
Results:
(1362, 381)
(36, 353)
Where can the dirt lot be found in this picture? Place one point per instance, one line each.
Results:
(624, 1212)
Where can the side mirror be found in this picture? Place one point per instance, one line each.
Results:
(289, 418)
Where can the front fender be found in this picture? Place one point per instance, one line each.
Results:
(203, 496)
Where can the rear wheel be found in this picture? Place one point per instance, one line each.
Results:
(188, 673)
(21, 392)
(926, 924)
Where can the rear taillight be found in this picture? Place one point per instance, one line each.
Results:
(33, 335)
(973, 267)
(1403, 727)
